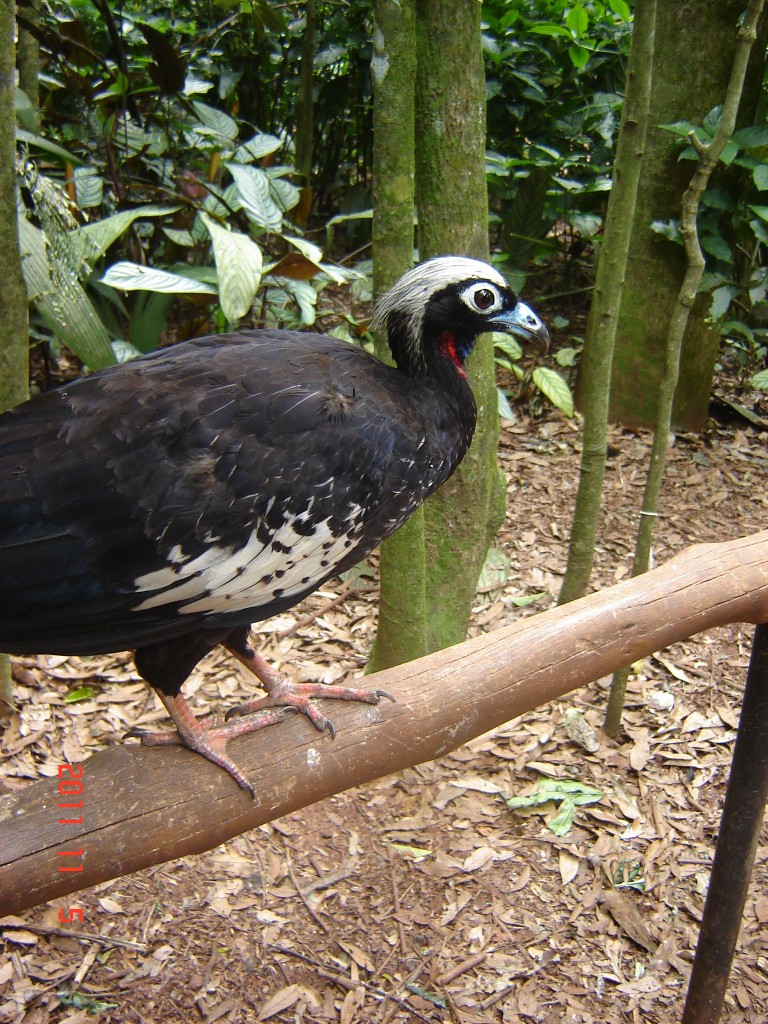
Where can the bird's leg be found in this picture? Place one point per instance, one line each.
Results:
(208, 741)
(282, 692)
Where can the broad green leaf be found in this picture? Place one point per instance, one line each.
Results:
(61, 301)
(579, 55)
(259, 146)
(180, 236)
(751, 137)
(96, 238)
(253, 191)
(128, 276)
(526, 599)
(759, 380)
(566, 356)
(562, 823)
(554, 386)
(239, 263)
(716, 246)
(729, 153)
(216, 121)
(721, 300)
(48, 147)
(508, 345)
(548, 28)
(506, 412)
(89, 187)
(284, 195)
(620, 9)
(761, 211)
(760, 177)
(577, 21)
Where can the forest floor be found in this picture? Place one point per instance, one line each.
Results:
(422, 897)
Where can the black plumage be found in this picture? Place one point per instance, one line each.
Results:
(166, 504)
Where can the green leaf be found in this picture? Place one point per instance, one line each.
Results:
(729, 153)
(524, 600)
(554, 387)
(759, 380)
(61, 301)
(81, 693)
(95, 239)
(760, 177)
(562, 823)
(548, 28)
(508, 345)
(506, 412)
(579, 55)
(620, 9)
(89, 187)
(253, 191)
(753, 137)
(259, 146)
(128, 276)
(238, 262)
(721, 300)
(566, 356)
(216, 121)
(47, 146)
(761, 211)
(577, 21)
(669, 229)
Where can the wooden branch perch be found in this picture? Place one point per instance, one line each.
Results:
(144, 806)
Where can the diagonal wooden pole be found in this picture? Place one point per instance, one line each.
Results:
(740, 825)
(144, 806)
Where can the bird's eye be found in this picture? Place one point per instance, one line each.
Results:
(483, 299)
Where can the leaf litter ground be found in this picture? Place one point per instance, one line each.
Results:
(422, 896)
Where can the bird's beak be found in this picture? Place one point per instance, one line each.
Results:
(523, 322)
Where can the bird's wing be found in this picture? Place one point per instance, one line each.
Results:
(217, 479)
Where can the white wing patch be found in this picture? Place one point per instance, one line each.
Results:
(221, 580)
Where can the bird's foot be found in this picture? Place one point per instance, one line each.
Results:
(282, 693)
(210, 741)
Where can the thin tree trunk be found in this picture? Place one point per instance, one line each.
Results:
(305, 104)
(461, 519)
(708, 158)
(28, 58)
(14, 341)
(401, 634)
(606, 300)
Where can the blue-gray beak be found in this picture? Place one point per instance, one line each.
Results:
(523, 322)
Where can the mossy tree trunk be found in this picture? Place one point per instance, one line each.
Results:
(305, 102)
(595, 374)
(401, 634)
(461, 519)
(693, 55)
(28, 56)
(14, 338)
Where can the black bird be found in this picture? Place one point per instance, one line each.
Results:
(166, 504)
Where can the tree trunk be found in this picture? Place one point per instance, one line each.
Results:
(452, 203)
(688, 81)
(28, 58)
(14, 341)
(603, 323)
(305, 103)
(401, 633)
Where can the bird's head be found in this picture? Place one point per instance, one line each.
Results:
(438, 309)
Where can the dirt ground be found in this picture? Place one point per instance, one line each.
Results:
(423, 897)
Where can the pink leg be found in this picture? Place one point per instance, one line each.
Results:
(281, 692)
(205, 740)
